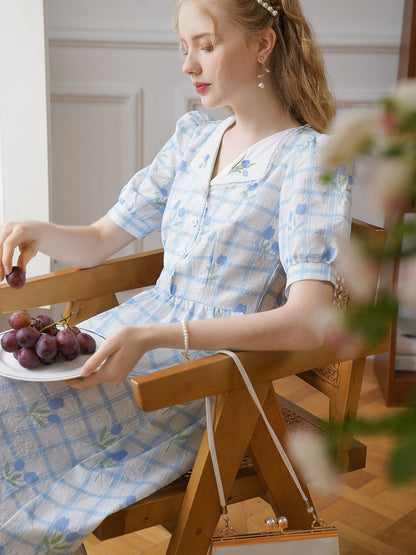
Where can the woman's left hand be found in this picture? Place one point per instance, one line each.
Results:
(114, 359)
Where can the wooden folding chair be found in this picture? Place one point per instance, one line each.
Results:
(192, 501)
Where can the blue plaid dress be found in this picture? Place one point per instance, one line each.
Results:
(233, 245)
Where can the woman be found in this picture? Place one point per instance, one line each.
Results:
(250, 237)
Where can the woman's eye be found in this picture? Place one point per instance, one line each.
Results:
(208, 48)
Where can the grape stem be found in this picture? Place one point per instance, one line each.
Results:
(63, 320)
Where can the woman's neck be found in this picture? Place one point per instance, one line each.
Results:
(260, 119)
(249, 128)
(256, 126)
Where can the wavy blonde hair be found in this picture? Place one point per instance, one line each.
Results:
(296, 66)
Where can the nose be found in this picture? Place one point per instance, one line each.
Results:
(190, 65)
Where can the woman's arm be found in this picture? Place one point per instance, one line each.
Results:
(293, 326)
(81, 246)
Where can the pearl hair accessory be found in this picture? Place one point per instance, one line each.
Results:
(272, 11)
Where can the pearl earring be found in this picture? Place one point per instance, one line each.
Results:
(261, 75)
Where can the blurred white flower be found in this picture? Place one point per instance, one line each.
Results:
(405, 95)
(406, 288)
(358, 270)
(310, 455)
(354, 131)
(330, 322)
(388, 184)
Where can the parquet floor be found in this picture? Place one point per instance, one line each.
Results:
(371, 515)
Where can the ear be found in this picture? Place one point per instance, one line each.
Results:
(266, 43)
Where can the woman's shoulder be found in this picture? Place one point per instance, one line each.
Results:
(307, 141)
(194, 129)
(195, 120)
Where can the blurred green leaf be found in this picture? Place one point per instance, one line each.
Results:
(401, 467)
(372, 320)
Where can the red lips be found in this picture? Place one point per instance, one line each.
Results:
(200, 87)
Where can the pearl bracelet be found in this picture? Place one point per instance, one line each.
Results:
(185, 339)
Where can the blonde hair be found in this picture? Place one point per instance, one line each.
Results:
(296, 66)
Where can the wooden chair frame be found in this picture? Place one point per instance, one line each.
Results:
(193, 503)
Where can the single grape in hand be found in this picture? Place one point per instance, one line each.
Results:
(16, 278)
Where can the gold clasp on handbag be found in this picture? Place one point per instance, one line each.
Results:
(280, 526)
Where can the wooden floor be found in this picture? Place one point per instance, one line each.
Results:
(371, 515)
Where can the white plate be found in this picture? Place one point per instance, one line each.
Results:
(57, 371)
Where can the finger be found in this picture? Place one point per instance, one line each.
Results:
(104, 374)
(85, 383)
(93, 363)
(26, 254)
(13, 239)
(5, 231)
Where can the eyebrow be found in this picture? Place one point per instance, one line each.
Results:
(199, 36)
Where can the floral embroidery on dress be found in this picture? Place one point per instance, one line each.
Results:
(307, 144)
(343, 181)
(268, 246)
(214, 266)
(105, 440)
(59, 543)
(41, 414)
(165, 151)
(177, 216)
(204, 162)
(178, 437)
(295, 221)
(251, 191)
(160, 200)
(14, 476)
(241, 166)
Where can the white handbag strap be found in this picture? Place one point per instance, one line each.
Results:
(274, 437)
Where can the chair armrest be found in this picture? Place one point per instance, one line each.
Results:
(115, 275)
(216, 374)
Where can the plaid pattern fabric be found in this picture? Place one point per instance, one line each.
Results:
(233, 244)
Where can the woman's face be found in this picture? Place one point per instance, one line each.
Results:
(222, 66)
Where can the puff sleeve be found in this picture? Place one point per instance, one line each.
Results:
(315, 217)
(142, 200)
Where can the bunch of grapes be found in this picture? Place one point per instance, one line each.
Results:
(40, 340)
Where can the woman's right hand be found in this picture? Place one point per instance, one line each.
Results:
(17, 235)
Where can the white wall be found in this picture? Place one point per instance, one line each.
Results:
(23, 115)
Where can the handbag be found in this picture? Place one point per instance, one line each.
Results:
(275, 539)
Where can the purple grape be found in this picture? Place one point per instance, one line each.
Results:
(27, 337)
(75, 330)
(87, 343)
(52, 331)
(20, 319)
(73, 354)
(9, 342)
(41, 321)
(46, 347)
(66, 341)
(47, 361)
(16, 278)
(28, 358)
